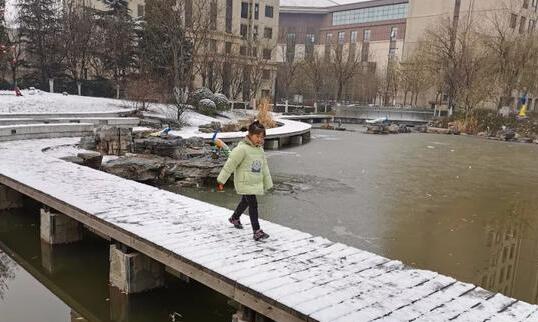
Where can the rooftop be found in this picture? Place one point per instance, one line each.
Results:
(317, 3)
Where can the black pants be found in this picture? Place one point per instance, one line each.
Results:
(250, 202)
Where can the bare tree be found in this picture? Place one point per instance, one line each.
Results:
(287, 70)
(165, 51)
(415, 78)
(344, 62)
(314, 68)
(78, 39)
(513, 52)
(200, 25)
(464, 64)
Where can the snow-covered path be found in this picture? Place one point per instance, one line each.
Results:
(292, 276)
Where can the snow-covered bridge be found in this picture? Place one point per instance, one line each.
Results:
(293, 276)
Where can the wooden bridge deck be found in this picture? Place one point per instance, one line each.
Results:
(293, 276)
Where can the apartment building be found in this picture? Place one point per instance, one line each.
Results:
(245, 29)
(388, 30)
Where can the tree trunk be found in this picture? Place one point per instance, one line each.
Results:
(14, 75)
(340, 90)
(51, 85)
(79, 88)
(405, 98)
(117, 90)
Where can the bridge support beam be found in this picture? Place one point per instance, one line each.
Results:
(273, 144)
(58, 228)
(245, 314)
(296, 140)
(284, 141)
(9, 198)
(132, 272)
(306, 137)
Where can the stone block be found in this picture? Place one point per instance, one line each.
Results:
(57, 228)
(9, 198)
(273, 144)
(296, 140)
(134, 272)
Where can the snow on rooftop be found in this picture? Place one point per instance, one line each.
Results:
(317, 3)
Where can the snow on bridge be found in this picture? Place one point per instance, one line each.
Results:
(293, 276)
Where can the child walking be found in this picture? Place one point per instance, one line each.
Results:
(251, 176)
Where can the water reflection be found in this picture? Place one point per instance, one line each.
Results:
(7, 273)
(512, 246)
(71, 283)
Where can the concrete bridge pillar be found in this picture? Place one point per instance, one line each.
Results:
(296, 140)
(273, 144)
(133, 272)
(305, 137)
(57, 228)
(9, 198)
(245, 314)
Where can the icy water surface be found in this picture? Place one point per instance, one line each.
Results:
(462, 206)
(465, 207)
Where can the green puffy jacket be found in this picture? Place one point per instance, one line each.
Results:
(248, 164)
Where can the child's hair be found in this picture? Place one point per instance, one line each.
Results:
(256, 128)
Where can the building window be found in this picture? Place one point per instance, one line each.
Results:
(255, 33)
(244, 10)
(267, 54)
(213, 15)
(372, 14)
(341, 37)
(290, 47)
(522, 25)
(367, 35)
(266, 74)
(140, 10)
(254, 52)
(244, 31)
(228, 47)
(243, 51)
(532, 25)
(269, 11)
(256, 11)
(268, 33)
(329, 39)
(353, 37)
(393, 33)
(513, 21)
(229, 15)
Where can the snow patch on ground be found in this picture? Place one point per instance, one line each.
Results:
(43, 102)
